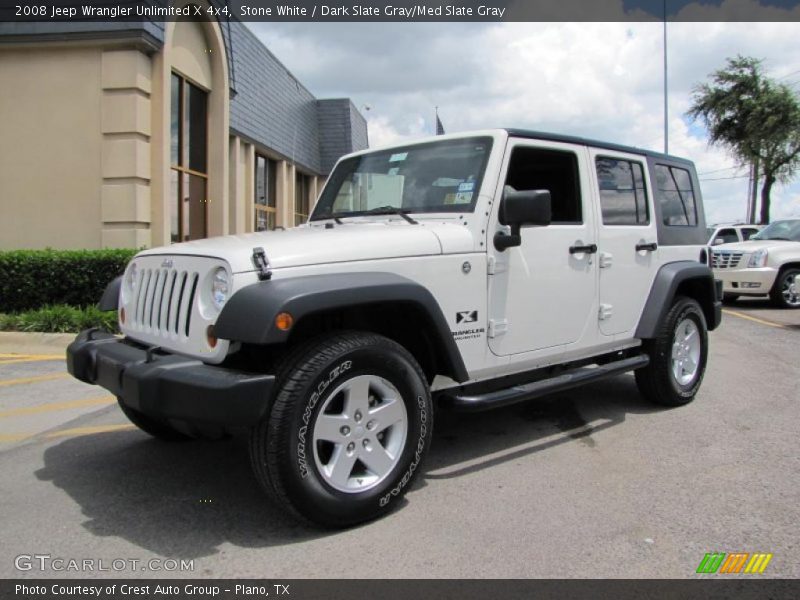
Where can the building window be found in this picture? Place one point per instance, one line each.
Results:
(676, 196)
(622, 194)
(302, 191)
(266, 214)
(189, 160)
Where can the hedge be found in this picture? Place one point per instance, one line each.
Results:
(59, 319)
(32, 279)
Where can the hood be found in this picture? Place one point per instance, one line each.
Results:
(752, 245)
(314, 244)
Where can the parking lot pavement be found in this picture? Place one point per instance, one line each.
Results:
(588, 483)
(762, 309)
(39, 398)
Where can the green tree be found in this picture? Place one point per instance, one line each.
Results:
(755, 117)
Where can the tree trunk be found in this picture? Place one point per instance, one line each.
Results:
(769, 179)
(751, 215)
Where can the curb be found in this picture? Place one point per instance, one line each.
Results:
(19, 342)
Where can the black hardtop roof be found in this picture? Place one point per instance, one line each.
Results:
(571, 139)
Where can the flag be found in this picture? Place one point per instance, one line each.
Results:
(439, 126)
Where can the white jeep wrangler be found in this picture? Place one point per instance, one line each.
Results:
(472, 270)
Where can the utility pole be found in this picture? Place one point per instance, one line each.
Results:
(666, 108)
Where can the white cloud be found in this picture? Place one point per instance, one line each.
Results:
(601, 80)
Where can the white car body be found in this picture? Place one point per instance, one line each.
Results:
(730, 234)
(472, 270)
(745, 272)
(532, 288)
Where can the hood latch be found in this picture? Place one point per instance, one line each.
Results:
(261, 263)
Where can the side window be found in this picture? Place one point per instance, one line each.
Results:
(728, 235)
(623, 199)
(748, 232)
(553, 170)
(676, 195)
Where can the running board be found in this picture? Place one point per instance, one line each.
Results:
(527, 391)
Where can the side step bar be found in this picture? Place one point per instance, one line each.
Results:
(527, 391)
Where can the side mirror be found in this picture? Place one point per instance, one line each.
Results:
(717, 241)
(518, 208)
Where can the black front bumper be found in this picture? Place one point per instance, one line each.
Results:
(169, 386)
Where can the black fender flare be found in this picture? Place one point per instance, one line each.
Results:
(249, 315)
(665, 286)
(110, 298)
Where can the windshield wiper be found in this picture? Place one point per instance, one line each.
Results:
(785, 239)
(391, 210)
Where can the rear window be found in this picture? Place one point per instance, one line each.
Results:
(675, 194)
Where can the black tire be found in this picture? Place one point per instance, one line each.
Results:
(657, 382)
(784, 279)
(284, 455)
(158, 429)
(729, 298)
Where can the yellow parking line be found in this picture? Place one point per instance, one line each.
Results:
(90, 430)
(754, 319)
(54, 406)
(42, 356)
(13, 437)
(36, 379)
(13, 361)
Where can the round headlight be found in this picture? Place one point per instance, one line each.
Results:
(130, 279)
(219, 287)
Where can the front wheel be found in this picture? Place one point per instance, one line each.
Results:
(678, 356)
(785, 292)
(348, 430)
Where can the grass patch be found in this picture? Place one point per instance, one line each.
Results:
(59, 318)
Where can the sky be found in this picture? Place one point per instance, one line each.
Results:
(597, 80)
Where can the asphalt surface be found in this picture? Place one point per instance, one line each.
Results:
(589, 483)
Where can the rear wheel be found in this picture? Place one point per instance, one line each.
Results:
(158, 429)
(678, 356)
(348, 430)
(785, 292)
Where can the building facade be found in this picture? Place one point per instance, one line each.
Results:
(138, 134)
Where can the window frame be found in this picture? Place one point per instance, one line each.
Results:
(270, 192)
(304, 198)
(183, 156)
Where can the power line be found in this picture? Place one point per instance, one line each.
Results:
(789, 75)
(723, 178)
(718, 170)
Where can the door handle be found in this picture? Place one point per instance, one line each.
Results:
(588, 249)
(651, 247)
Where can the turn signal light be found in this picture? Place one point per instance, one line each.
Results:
(122, 315)
(210, 337)
(284, 321)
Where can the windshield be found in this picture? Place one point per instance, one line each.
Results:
(424, 178)
(780, 230)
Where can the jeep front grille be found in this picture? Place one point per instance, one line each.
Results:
(163, 302)
(726, 259)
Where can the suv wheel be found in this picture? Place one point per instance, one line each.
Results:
(678, 356)
(350, 425)
(158, 429)
(784, 292)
